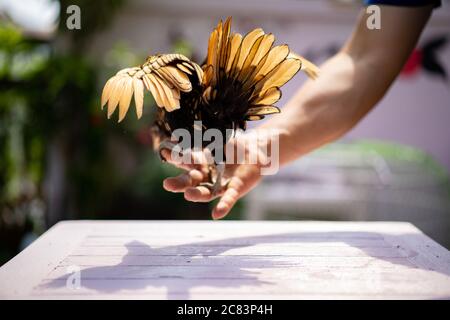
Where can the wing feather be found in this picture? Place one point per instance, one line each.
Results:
(138, 87)
(281, 74)
(150, 85)
(125, 99)
(268, 97)
(262, 110)
(258, 59)
(223, 48)
(235, 44)
(116, 93)
(106, 91)
(243, 73)
(212, 52)
(176, 78)
(254, 118)
(246, 46)
(183, 68)
(275, 56)
(170, 103)
(308, 67)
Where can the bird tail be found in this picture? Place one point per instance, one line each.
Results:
(252, 66)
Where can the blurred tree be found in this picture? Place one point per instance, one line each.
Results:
(59, 157)
(21, 149)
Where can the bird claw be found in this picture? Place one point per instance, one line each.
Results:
(218, 183)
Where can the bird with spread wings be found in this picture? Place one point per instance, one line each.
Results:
(239, 81)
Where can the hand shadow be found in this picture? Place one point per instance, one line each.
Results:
(180, 268)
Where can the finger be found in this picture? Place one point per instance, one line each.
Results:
(167, 155)
(225, 204)
(188, 161)
(183, 181)
(229, 198)
(198, 194)
(178, 183)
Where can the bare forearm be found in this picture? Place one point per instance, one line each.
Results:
(324, 109)
(349, 86)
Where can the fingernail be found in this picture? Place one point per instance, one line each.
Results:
(216, 216)
(190, 197)
(221, 207)
(166, 185)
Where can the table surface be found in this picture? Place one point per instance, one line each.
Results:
(229, 260)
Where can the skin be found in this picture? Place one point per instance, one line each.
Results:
(350, 84)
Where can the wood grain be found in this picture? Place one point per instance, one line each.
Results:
(230, 260)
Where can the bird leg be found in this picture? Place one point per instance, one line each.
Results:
(215, 171)
(216, 179)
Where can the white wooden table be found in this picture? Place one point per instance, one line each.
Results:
(229, 259)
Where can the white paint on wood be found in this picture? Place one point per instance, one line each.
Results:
(230, 259)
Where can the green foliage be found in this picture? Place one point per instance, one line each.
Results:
(10, 36)
(183, 47)
(42, 95)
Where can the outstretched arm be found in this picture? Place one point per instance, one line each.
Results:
(349, 86)
(351, 83)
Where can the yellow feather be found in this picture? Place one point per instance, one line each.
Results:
(179, 78)
(159, 92)
(170, 103)
(270, 61)
(246, 46)
(207, 75)
(262, 110)
(235, 44)
(264, 48)
(212, 49)
(116, 93)
(244, 72)
(149, 83)
(254, 118)
(224, 47)
(138, 87)
(308, 67)
(183, 68)
(188, 65)
(207, 94)
(267, 97)
(279, 75)
(125, 99)
(258, 58)
(106, 92)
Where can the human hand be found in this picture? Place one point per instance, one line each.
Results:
(242, 176)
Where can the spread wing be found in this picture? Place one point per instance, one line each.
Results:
(165, 76)
(249, 71)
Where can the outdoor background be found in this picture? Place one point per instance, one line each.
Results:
(61, 159)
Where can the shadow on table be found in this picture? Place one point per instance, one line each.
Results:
(132, 274)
